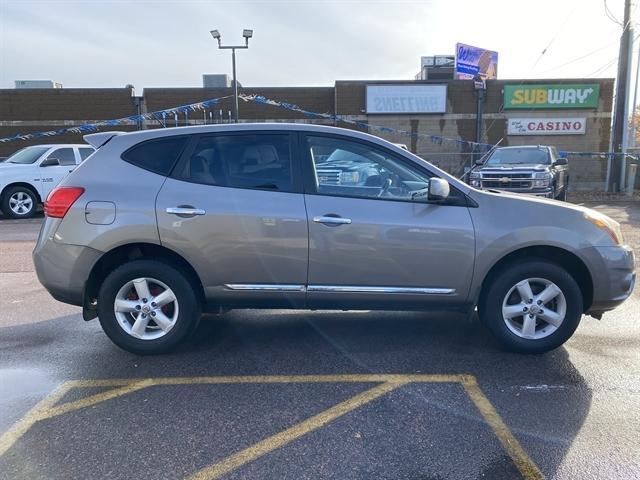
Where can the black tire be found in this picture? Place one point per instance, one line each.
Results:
(490, 307)
(188, 314)
(27, 193)
(563, 196)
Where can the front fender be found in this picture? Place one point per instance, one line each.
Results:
(490, 253)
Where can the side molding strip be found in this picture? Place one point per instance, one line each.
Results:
(366, 289)
(275, 287)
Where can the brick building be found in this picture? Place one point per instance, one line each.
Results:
(421, 108)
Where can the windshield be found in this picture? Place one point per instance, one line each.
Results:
(27, 155)
(515, 156)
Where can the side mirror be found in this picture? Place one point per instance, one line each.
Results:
(479, 161)
(562, 161)
(50, 162)
(438, 189)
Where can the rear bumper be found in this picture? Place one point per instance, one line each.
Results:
(613, 274)
(63, 269)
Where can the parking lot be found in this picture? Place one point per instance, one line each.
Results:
(291, 394)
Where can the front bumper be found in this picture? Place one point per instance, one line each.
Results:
(613, 275)
(61, 268)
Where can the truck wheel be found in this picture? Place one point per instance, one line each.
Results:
(532, 306)
(563, 196)
(19, 202)
(147, 307)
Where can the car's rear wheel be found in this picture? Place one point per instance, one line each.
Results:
(532, 306)
(147, 307)
(19, 202)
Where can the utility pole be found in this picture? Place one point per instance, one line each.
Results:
(480, 88)
(615, 182)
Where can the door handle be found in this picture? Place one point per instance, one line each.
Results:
(332, 220)
(185, 211)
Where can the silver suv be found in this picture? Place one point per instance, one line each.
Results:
(160, 225)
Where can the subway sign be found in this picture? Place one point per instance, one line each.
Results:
(584, 95)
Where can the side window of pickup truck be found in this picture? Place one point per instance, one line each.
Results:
(64, 155)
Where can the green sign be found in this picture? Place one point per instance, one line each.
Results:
(584, 95)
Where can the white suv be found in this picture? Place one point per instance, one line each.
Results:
(28, 176)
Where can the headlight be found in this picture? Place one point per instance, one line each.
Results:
(541, 179)
(349, 177)
(604, 223)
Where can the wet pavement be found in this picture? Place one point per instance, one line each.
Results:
(291, 394)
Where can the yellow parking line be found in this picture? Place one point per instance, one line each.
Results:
(210, 380)
(290, 434)
(93, 399)
(388, 382)
(25, 423)
(525, 465)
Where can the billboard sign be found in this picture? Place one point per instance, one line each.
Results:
(406, 98)
(579, 95)
(546, 126)
(473, 61)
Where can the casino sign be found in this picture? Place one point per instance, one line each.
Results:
(546, 126)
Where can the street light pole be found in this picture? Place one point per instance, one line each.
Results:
(235, 85)
(247, 34)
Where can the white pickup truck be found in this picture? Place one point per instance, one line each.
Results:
(28, 176)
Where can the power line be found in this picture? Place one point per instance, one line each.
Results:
(601, 69)
(610, 15)
(579, 58)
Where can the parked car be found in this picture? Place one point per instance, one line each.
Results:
(532, 169)
(159, 225)
(29, 175)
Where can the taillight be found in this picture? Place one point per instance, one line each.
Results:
(60, 200)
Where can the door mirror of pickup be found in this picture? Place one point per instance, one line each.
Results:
(438, 189)
(562, 161)
(50, 162)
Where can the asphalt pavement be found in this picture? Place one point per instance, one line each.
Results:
(318, 395)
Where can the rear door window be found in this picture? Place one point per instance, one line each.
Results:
(256, 161)
(157, 155)
(85, 152)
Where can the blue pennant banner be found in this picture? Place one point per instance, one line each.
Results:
(131, 120)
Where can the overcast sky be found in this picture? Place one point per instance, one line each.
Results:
(110, 43)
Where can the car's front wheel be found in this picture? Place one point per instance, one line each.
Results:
(19, 202)
(532, 306)
(147, 307)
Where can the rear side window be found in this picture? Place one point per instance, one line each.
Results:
(157, 155)
(85, 152)
(257, 161)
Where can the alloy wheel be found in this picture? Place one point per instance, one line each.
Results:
(20, 203)
(146, 308)
(534, 308)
